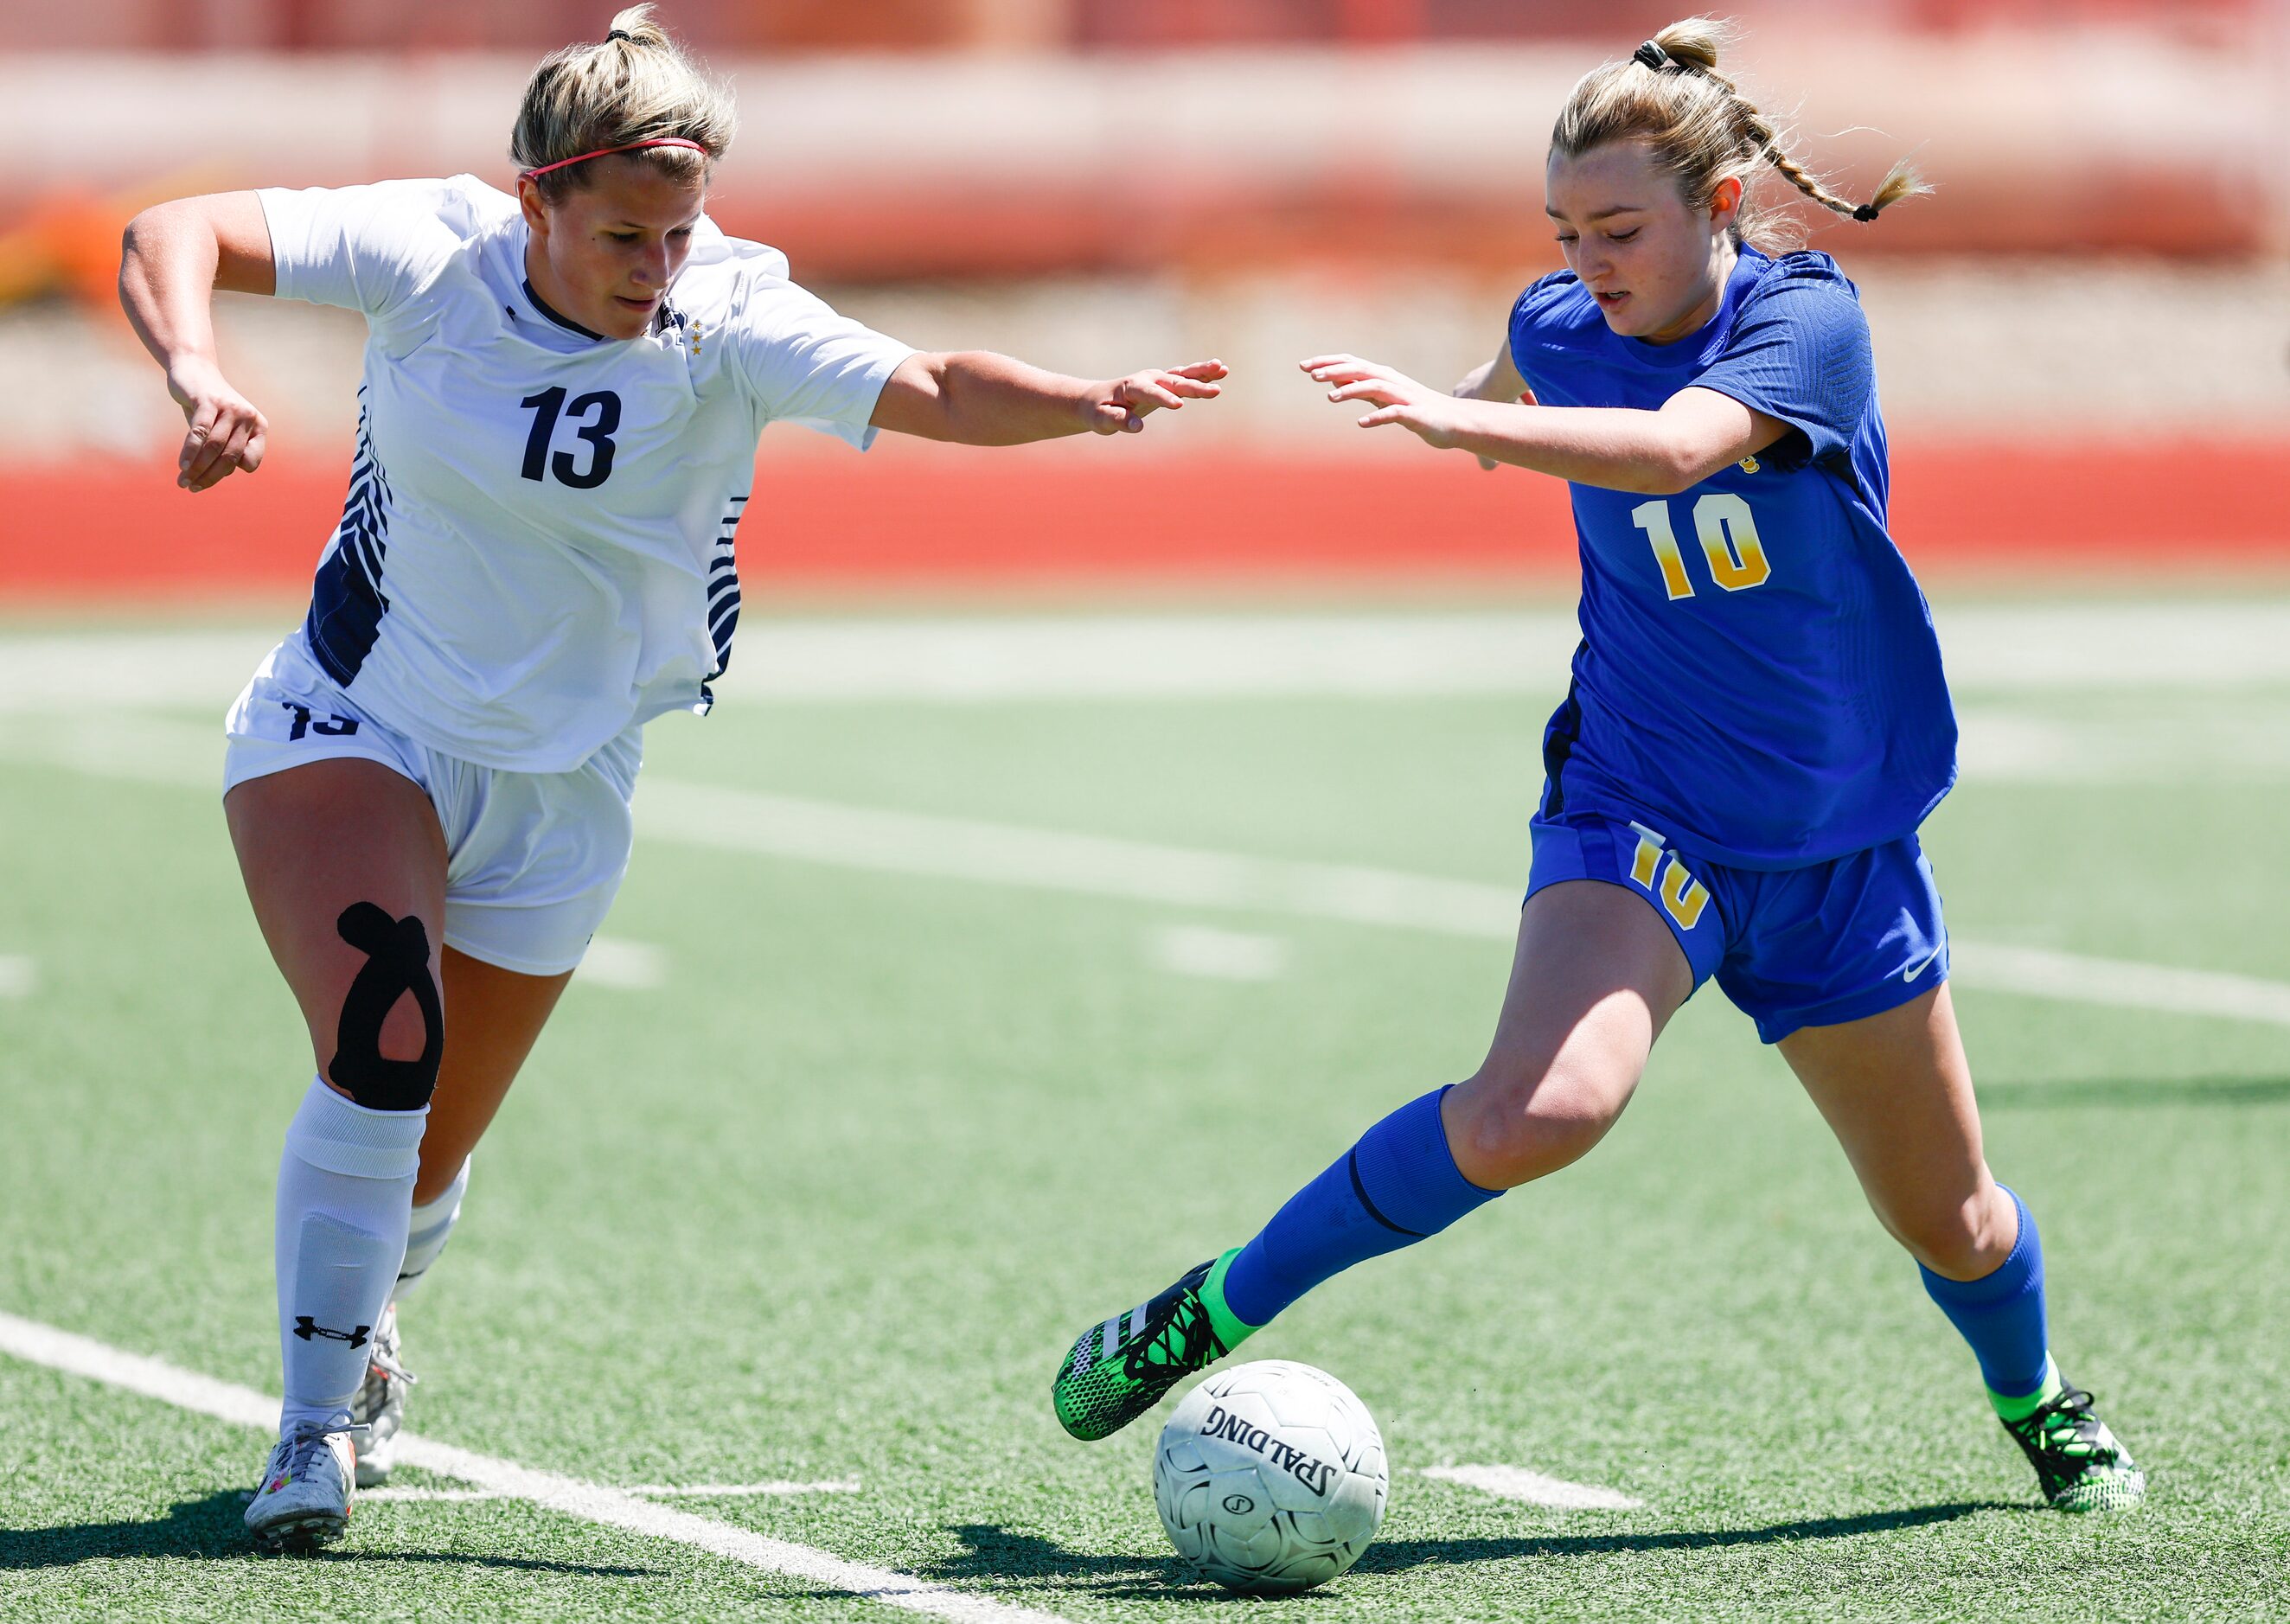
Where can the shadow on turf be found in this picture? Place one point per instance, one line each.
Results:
(996, 1553)
(213, 1526)
(1396, 1555)
(2133, 1091)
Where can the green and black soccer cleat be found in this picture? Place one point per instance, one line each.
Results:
(2080, 1464)
(1121, 1369)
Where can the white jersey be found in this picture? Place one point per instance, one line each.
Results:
(536, 553)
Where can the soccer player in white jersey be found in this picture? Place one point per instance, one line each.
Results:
(427, 784)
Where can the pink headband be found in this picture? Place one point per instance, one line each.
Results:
(605, 152)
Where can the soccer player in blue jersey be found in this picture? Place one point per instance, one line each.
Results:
(1757, 725)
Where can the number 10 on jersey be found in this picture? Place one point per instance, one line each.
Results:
(1727, 531)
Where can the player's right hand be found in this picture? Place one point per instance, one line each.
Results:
(224, 432)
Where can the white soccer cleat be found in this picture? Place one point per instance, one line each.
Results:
(303, 1501)
(380, 1406)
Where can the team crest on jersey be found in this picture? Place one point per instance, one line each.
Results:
(1748, 465)
(673, 320)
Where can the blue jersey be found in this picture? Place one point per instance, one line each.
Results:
(1758, 671)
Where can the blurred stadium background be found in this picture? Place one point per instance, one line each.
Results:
(2084, 338)
(1071, 810)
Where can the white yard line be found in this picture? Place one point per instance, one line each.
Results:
(1516, 1483)
(84, 1357)
(2038, 973)
(1217, 956)
(2123, 646)
(650, 1491)
(623, 965)
(737, 1491)
(879, 840)
(993, 854)
(391, 1494)
(1050, 860)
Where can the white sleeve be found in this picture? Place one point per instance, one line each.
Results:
(361, 247)
(806, 365)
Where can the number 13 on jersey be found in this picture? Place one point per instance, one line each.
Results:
(1728, 533)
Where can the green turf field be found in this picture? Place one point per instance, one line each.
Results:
(827, 1202)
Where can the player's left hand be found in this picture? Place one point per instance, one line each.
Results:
(1434, 415)
(1122, 405)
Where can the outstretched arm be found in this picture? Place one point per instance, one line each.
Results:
(1494, 380)
(976, 397)
(1693, 434)
(172, 259)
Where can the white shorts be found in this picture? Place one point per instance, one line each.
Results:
(532, 859)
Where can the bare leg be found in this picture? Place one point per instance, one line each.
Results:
(1596, 976)
(312, 841)
(333, 851)
(1896, 1090)
(498, 1015)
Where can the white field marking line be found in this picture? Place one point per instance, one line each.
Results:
(1217, 956)
(387, 1493)
(733, 1490)
(969, 659)
(1516, 1483)
(20, 977)
(799, 829)
(2042, 974)
(1048, 860)
(623, 965)
(80, 1356)
(947, 848)
(650, 1491)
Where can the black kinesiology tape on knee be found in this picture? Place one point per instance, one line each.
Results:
(397, 963)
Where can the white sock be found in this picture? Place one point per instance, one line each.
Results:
(431, 1228)
(345, 1190)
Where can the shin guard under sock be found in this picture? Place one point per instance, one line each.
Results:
(2001, 1314)
(1398, 1186)
(345, 1189)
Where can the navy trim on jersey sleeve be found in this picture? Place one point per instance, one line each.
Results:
(1799, 351)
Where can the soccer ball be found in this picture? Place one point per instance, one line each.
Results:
(1271, 1477)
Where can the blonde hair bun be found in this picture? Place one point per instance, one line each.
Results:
(1671, 95)
(636, 85)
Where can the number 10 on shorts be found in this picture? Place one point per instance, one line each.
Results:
(1681, 896)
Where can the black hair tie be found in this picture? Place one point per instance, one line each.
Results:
(1651, 55)
(1866, 212)
(619, 34)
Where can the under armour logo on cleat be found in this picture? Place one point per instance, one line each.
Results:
(306, 1328)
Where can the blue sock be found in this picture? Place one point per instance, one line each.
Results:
(2001, 1314)
(1398, 1186)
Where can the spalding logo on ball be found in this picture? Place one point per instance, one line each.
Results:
(1271, 1477)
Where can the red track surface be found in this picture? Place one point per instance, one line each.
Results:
(1084, 514)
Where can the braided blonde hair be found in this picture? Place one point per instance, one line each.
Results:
(1700, 128)
(636, 85)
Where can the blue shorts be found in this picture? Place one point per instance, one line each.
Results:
(1791, 947)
